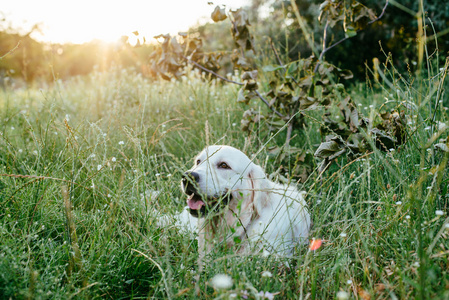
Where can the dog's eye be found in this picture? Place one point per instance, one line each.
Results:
(224, 165)
(198, 161)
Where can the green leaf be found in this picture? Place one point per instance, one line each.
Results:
(350, 33)
(271, 68)
(241, 96)
(326, 149)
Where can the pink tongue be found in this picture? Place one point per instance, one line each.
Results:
(194, 204)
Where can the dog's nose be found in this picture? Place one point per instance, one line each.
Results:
(190, 176)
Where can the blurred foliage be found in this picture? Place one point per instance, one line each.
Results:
(291, 66)
(25, 60)
(395, 32)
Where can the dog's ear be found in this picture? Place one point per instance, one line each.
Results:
(259, 186)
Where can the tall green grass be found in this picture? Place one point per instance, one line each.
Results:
(84, 164)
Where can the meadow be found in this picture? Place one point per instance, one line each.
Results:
(85, 162)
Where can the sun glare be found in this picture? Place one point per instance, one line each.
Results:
(82, 21)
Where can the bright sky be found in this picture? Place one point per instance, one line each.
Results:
(84, 20)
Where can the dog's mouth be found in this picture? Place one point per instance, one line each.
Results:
(200, 205)
(195, 201)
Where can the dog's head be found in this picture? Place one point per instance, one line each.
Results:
(220, 175)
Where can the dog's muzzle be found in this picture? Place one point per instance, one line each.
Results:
(199, 203)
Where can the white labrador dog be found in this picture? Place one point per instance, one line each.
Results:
(238, 206)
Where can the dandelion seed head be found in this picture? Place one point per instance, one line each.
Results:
(221, 281)
(342, 295)
(267, 274)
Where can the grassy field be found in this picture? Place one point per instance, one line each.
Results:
(84, 163)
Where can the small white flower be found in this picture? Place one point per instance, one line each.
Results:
(441, 126)
(234, 124)
(407, 217)
(12, 128)
(343, 234)
(121, 143)
(439, 212)
(267, 274)
(342, 295)
(265, 253)
(92, 155)
(266, 295)
(221, 281)
(399, 203)
(109, 196)
(35, 152)
(20, 150)
(416, 264)
(349, 281)
(168, 175)
(99, 167)
(114, 159)
(446, 225)
(158, 174)
(427, 128)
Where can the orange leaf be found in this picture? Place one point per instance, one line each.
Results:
(315, 244)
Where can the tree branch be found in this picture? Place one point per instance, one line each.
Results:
(211, 72)
(235, 82)
(268, 104)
